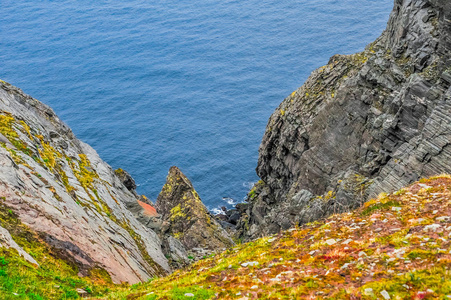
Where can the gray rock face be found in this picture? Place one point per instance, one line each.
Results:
(363, 124)
(187, 225)
(60, 188)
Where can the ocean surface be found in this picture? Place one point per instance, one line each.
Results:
(151, 84)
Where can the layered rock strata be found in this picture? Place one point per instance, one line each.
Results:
(60, 188)
(363, 124)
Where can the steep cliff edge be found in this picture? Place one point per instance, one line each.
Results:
(363, 124)
(70, 199)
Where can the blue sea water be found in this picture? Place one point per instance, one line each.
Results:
(151, 84)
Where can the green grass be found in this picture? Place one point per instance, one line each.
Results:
(21, 280)
(380, 206)
(54, 278)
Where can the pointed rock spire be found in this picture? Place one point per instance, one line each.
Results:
(186, 218)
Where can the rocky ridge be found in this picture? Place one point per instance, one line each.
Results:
(61, 189)
(363, 124)
(90, 215)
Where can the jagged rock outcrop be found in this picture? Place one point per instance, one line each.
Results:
(187, 225)
(60, 188)
(363, 124)
(126, 179)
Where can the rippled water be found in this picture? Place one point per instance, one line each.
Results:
(151, 84)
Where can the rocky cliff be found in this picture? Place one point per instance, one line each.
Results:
(364, 123)
(70, 199)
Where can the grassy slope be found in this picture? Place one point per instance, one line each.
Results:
(387, 245)
(384, 248)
